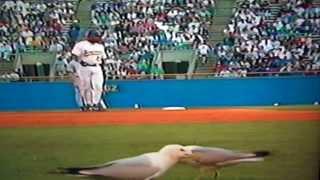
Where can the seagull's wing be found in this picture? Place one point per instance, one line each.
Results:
(220, 157)
(139, 167)
(208, 155)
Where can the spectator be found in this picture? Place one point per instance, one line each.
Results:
(9, 77)
(61, 64)
(74, 33)
(157, 72)
(204, 51)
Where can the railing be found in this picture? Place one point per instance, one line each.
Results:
(177, 76)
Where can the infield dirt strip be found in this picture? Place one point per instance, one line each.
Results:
(152, 116)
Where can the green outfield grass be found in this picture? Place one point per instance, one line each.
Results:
(30, 153)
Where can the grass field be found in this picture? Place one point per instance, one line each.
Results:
(30, 153)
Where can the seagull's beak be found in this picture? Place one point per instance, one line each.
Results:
(188, 153)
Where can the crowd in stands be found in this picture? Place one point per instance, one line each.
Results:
(255, 43)
(134, 31)
(34, 25)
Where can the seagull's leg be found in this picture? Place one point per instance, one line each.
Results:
(215, 174)
(202, 171)
(206, 172)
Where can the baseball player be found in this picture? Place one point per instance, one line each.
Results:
(74, 69)
(90, 54)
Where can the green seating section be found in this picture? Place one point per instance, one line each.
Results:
(6, 66)
(38, 57)
(176, 55)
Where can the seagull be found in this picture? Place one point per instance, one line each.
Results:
(211, 158)
(143, 167)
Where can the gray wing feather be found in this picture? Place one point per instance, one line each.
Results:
(138, 167)
(207, 155)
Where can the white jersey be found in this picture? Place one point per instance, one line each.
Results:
(204, 49)
(89, 53)
(74, 68)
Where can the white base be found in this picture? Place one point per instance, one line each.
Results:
(174, 108)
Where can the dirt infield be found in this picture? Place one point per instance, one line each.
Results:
(133, 117)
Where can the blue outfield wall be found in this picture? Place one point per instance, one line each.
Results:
(161, 93)
(36, 96)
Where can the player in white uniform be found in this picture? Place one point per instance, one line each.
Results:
(90, 53)
(74, 69)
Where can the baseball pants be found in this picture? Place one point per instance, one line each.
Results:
(91, 85)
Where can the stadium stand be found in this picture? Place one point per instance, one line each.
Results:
(223, 12)
(264, 37)
(143, 28)
(35, 26)
(170, 36)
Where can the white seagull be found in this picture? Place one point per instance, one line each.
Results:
(143, 167)
(210, 158)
